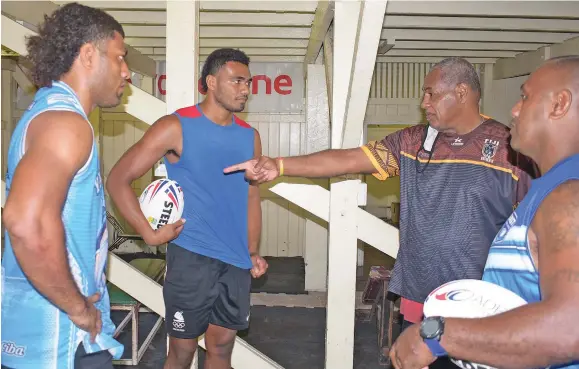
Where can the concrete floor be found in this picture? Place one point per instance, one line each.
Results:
(293, 337)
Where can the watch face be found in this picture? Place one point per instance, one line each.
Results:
(430, 328)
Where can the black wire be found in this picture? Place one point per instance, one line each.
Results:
(421, 148)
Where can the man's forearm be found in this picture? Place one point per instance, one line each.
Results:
(327, 164)
(43, 258)
(254, 223)
(127, 204)
(533, 336)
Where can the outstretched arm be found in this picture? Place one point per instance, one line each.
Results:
(162, 137)
(534, 335)
(58, 144)
(380, 158)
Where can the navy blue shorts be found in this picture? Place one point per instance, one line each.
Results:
(200, 290)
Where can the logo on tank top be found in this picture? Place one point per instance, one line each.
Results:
(489, 150)
(506, 227)
(10, 348)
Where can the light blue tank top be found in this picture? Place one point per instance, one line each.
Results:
(35, 333)
(509, 263)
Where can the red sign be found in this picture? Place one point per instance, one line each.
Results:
(282, 84)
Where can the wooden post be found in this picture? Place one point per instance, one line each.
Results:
(342, 274)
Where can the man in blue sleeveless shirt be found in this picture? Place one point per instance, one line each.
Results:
(213, 255)
(55, 306)
(536, 252)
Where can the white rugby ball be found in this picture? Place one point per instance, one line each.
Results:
(470, 298)
(162, 202)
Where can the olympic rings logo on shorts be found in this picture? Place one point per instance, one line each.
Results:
(178, 325)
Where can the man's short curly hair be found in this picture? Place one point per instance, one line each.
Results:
(219, 58)
(53, 50)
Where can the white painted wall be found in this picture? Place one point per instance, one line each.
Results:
(504, 95)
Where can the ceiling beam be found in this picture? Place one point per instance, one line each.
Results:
(429, 59)
(225, 32)
(271, 6)
(33, 12)
(224, 42)
(248, 51)
(264, 6)
(497, 8)
(464, 45)
(486, 36)
(497, 24)
(255, 59)
(218, 18)
(445, 53)
(322, 20)
(115, 4)
(527, 62)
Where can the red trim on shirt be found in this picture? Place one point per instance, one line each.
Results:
(240, 122)
(411, 310)
(189, 112)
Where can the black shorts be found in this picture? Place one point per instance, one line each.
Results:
(200, 290)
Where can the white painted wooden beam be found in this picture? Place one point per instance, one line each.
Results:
(182, 54)
(499, 8)
(224, 32)
(263, 6)
(487, 88)
(367, 41)
(249, 51)
(527, 62)
(255, 58)
(322, 19)
(318, 139)
(315, 199)
(427, 59)
(115, 4)
(211, 5)
(340, 312)
(464, 45)
(471, 36)
(445, 53)
(33, 12)
(329, 68)
(14, 35)
(346, 26)
(483, 23)
(218, 18)
(224, 42)
(22, 78)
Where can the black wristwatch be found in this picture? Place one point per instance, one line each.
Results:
(431, 331)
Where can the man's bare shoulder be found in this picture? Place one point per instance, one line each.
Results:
(60, 127)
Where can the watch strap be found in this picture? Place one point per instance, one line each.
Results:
(435, 347)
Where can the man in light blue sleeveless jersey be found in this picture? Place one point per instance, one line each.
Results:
(55, 306)
(536, 252)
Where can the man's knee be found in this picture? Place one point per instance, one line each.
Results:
(219, 341)
(181, 351)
